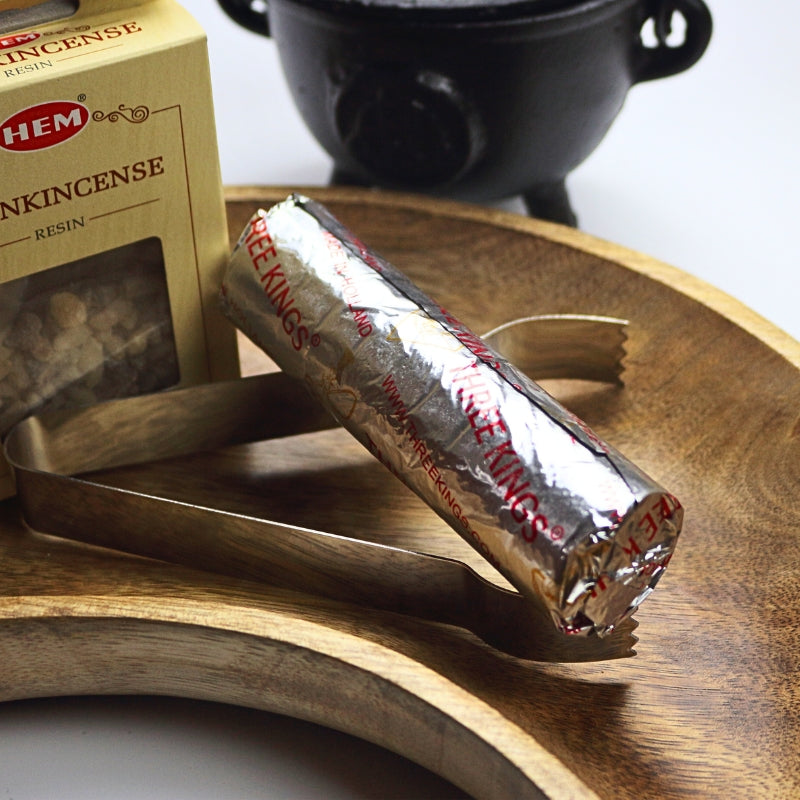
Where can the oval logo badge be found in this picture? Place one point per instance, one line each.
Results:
(16, 39)
(41, 126)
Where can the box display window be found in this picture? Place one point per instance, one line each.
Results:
(39, 14)
(90, 330)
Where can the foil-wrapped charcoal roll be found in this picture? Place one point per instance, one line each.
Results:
(569, 521)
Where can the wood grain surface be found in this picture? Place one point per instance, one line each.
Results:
(710, 706)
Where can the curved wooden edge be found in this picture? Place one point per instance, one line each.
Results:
(279, 663)
(696, 288)
(277, 660)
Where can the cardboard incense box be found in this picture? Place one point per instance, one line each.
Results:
(113, 235)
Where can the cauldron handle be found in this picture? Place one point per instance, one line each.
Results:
(248, 14)
(663, 60)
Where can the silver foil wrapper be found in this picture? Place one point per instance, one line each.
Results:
(565, 518)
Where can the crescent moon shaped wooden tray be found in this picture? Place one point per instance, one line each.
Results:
(710, 706)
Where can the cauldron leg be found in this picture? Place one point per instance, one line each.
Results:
(341, 177)
(550, 201)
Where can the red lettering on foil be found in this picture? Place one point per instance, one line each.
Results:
(588, 432)
(350, 290)
(264, 257)
(600, 586)
(426, 461)
(649, 525)
(475, 395)
(632, 549)
(666, 507)
(661, 511)
(473, 343)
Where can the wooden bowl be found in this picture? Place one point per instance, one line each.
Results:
(710, 706)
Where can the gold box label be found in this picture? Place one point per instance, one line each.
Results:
(112, 222)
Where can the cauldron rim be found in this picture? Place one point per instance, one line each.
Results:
(456, 11)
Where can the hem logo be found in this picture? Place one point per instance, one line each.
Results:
(16, 39)
(43, 126)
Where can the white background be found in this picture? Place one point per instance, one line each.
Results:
(701, 171)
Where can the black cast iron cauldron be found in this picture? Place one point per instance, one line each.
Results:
(472, 99)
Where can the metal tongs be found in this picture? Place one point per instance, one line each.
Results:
(51, 451)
